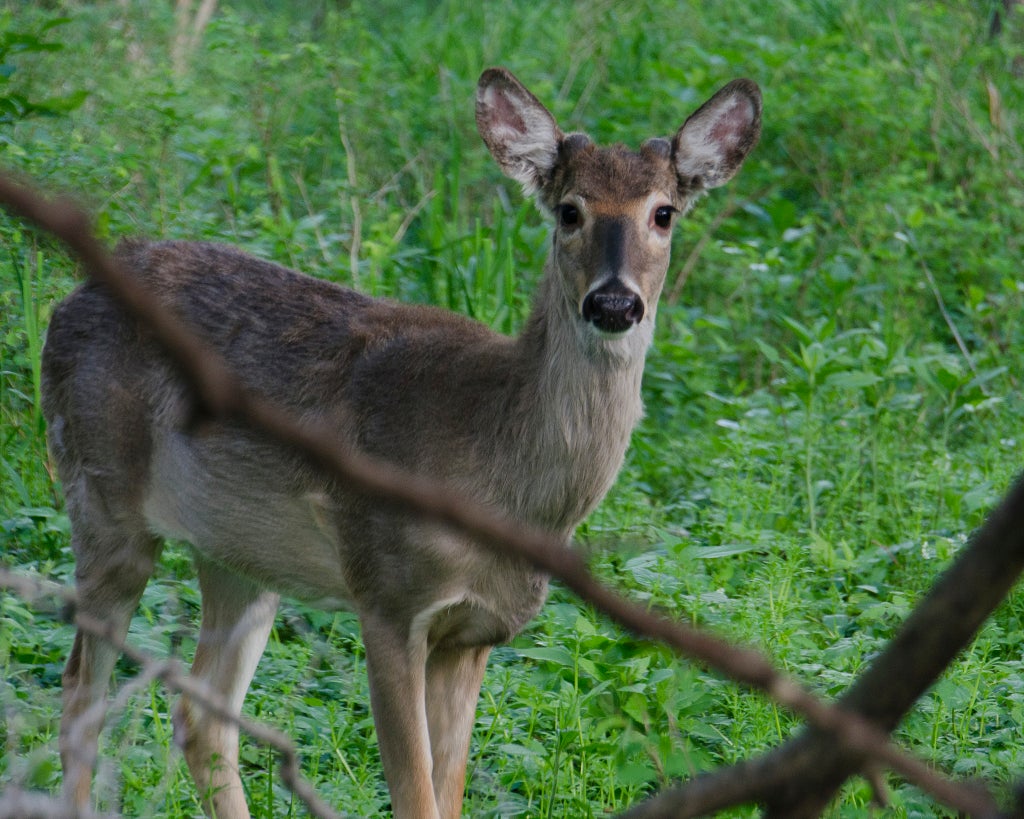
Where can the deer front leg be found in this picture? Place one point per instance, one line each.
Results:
(454, 676)
(396, 667)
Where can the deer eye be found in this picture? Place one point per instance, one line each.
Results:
(568, 215)
(663, 216)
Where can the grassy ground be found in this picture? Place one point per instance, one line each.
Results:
(832, 400)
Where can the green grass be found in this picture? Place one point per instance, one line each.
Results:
(818, 443)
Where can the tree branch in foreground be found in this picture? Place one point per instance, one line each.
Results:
(223, 396)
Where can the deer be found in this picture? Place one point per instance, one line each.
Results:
(534, 427)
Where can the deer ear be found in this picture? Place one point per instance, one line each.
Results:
(519, 131)
(712, 144)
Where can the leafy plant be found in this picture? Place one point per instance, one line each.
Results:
(817, 444)
(15, 44)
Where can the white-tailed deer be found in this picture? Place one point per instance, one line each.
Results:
(534, 427)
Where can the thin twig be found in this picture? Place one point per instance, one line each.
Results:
(355, 245)
(19, 804)
(171, 673)
(940, 302)
(732, 204)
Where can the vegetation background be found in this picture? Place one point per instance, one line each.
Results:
(833, 398)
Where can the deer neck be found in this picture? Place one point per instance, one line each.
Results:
(579, 404)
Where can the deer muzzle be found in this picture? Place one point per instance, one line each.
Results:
(613, 307)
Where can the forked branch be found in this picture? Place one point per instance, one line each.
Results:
(800, 778)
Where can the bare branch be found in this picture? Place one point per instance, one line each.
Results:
(801, 777)
(15, 802)
(177, 679)
(223, 396)
(797, 779)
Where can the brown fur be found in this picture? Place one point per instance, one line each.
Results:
(534, 427)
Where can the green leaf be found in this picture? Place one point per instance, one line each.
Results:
(853, 379)
(636, 707)
(558, 655)
(62, 105)
(635, 773)
(767, 350)
(54, 22)
(724, 550)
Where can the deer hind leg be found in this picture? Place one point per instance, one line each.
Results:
(454, 676)
(114, 562)
(236, 621)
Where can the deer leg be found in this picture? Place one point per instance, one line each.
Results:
(454, 676)
(396, 669)
(111, 572)
(237, 618)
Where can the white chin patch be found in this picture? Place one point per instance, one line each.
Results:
(609, 336)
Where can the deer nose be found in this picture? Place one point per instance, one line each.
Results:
(613, 307)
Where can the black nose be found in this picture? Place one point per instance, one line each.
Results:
(613, 307)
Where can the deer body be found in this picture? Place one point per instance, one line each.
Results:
(535, 427)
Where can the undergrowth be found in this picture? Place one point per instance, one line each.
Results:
(832, 398)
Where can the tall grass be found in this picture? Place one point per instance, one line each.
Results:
(818, 443)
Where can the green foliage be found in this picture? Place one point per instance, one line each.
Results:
(832, 398)
(14, 45)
